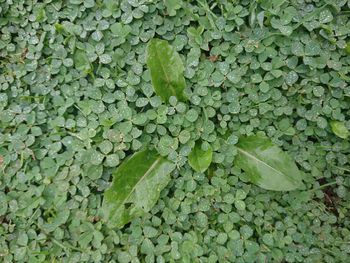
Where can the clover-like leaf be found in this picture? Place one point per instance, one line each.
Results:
(199, 159)
(172, 6)
(339, 129)
(267, 165)
(166, 70)
(136, 186)
(81, 61)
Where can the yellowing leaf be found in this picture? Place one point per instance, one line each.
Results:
(136, 186)
(166, 70)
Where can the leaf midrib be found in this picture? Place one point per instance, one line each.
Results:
(262, 162)
(141, 179)
(164, 73)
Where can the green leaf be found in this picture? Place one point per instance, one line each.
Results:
(172, 6)
(339, 129)
(136, 187)
(166, 70)
(40, 14)
(199, 159)
(93, 171)
(192, 31)
(347, 48)
(267, 165)
(81, 61)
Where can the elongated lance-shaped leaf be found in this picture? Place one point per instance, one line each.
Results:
(136, 186)
(267, 165)
(166, 70)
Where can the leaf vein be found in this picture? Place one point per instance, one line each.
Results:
(172, 90)
(260, 161)
(141, 179)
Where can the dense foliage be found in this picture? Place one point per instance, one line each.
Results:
(77, 98)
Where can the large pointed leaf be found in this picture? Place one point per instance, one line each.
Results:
(267, 165)
(199, 159)
(166, 70)
(136, 186)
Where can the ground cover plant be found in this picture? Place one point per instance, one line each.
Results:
(174, 131)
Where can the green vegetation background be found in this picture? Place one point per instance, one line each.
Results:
(76, 99)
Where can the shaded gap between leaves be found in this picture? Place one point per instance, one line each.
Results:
(330, 197)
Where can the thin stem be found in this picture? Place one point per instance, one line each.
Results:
(322, 186)
(327, 184)
(342, 168)
(65, 247)
(312, 14)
